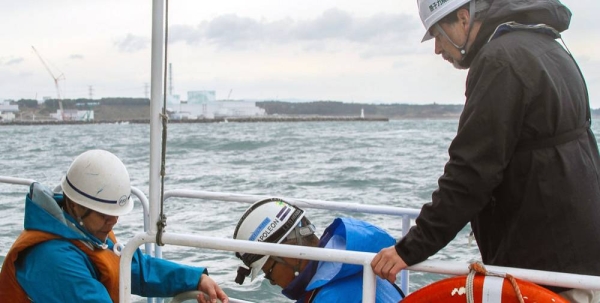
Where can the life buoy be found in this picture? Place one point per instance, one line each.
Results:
(486, 289)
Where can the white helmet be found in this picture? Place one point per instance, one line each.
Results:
(98, 180)
(269, 220)
(432, 11)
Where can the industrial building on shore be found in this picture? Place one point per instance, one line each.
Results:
(204, 105)
(8, 111)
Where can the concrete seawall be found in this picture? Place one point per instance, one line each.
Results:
(218, 120)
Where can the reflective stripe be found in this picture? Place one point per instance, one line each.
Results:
(88, 196)
(492, 290)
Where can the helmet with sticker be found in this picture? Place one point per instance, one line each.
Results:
(98, 180)
(269, 220)
(432, 11)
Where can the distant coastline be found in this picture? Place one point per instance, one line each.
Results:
(137, 110)
(216, 120)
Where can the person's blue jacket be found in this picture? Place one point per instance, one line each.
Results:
(58, 271)
(327, 282)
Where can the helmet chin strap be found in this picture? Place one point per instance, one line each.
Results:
(71, 206)
(461, 48)
(295, 268)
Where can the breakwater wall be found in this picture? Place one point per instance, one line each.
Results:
(217, 120)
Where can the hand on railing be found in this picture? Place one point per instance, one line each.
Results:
(211, 292)
(189, 295)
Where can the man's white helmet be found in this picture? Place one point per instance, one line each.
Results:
(269, 220)
(98, 180)
(432, 11)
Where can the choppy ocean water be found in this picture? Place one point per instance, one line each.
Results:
(394, 163)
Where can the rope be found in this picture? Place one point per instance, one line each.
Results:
(162, 220)
(470, 279)
(479, 268)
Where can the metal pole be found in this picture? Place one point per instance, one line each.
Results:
(369, 284)
(158, 44)
(404, 273)
(157, 67)
(17, 181)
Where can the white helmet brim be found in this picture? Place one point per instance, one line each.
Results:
(269, 220)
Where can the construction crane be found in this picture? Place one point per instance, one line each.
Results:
(56, 79)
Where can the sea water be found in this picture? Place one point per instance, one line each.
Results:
(395, 163)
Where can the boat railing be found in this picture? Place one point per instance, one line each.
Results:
(406, 214)
(148, 238)
(361, 258)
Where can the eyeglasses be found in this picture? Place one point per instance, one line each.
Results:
(270, 271)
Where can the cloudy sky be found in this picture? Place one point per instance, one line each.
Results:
(351, 50)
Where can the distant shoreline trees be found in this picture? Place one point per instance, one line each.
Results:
(336, 108)
(272, 107)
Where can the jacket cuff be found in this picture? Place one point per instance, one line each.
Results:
(410, 257)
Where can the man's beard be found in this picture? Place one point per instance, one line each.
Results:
(457, 65)
(454, 62)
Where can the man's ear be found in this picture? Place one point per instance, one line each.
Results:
(70, 205)
(464, 17)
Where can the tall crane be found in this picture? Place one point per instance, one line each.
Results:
(56, 79)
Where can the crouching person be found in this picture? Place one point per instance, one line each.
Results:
(68, 252)
(275, 221)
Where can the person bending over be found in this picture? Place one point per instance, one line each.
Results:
(276, 221)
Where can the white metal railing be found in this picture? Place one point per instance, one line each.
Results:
(406, 214)
(16, 181)
(148, 239)
(311, 253)
(360, 258)
(352, 257)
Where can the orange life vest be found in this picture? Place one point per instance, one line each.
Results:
(106, 262)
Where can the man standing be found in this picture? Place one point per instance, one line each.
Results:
(524, 167)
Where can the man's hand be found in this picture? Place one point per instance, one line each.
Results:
(211, 291)
(387, 264)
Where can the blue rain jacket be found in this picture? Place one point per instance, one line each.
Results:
(329, 282)
(58, 271)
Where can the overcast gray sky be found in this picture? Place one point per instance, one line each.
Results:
(351, 51)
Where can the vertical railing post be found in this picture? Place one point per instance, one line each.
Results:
(157, 77)
(369, 284)
(404, 274)
(156, 82)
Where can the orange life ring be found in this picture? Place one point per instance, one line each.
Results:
(486, 289)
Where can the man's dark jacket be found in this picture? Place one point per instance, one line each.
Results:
(533, 202)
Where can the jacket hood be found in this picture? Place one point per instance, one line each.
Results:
(43, 213)
(548, 12)
(342, 234)
(348, 234)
